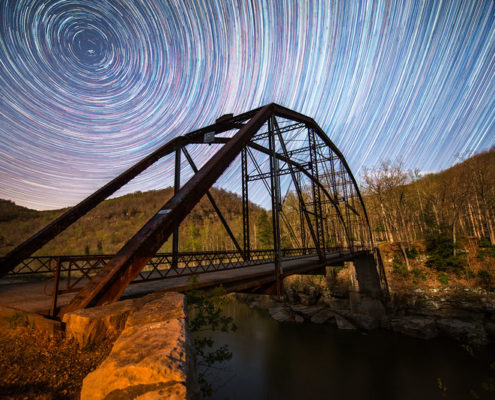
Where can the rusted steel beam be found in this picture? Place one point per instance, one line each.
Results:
(53, 308)
(112, 280)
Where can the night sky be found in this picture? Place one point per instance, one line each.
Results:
(88, 88)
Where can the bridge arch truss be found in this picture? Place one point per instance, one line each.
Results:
(271, 148)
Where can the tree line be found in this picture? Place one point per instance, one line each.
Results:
(403, 207)
(439, 209)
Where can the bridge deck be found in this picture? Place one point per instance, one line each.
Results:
(36, 296)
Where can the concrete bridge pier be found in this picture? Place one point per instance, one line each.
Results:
(365, 294)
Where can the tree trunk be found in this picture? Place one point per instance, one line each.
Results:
(480, 218)
(473, 223)
(404, 255)
(490, 227)
(454, 237)
(435, 211)
(388, 231)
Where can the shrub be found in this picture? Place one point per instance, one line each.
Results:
(443, 279)
(440, 253)
(412, 253)
(484, 242)
(206, 315)
(485, 249)
(485, 278)
(398, 267)
(418, 274)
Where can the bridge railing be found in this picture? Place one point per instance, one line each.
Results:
(75, 268)
(71, 272)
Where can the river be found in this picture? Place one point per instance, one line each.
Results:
(273, 360)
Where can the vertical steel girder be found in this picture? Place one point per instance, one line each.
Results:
(276, 203)
(112, 280)
(316, 193)
(301, 213)
(175, 237)
(245, 203)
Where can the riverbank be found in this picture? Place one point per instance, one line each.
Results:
(463, 314)
(422, 302)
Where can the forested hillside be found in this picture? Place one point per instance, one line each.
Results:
(403, 207)
(439, 226)
(460, 201)
(106, 228)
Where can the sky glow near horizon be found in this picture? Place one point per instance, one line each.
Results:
(88, 88)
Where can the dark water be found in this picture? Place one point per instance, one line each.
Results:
(274, 360)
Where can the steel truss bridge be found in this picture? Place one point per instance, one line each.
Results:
(316, 207)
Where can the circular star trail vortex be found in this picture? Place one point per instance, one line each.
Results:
(87, 88)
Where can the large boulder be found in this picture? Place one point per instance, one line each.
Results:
(419, 327)
(150, 359)
(94, 325)
(463, 331)
(344, 324)
(280, 314)
(306, 311)
(323, 316)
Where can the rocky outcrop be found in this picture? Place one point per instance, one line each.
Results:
(94, 325)
(465, 315)
(151, 359)
(463, 331)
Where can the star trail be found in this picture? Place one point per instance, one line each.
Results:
(89, 87)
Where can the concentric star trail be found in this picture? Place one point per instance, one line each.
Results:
(89, 87)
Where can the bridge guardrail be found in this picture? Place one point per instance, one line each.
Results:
(70, 271)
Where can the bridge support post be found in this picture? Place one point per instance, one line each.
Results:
(366, 294)
(301, 213)
(175, 235)
(245, 204)
(318, 215)
(276, 203)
